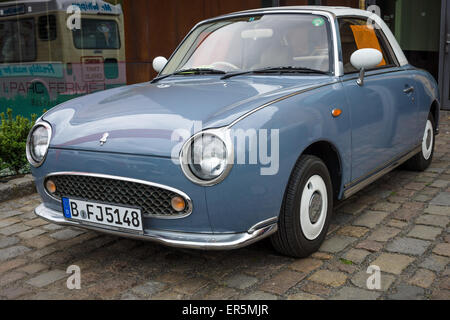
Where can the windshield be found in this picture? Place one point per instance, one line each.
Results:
(97, 34)
(255, 42)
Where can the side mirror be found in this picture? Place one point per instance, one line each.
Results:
(365, 59)
(159, 63)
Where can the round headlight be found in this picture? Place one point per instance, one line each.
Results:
(205, 159)
(37, 143)
(208, 157)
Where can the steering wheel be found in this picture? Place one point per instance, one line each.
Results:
(225, 64)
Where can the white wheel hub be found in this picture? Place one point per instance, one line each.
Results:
(428, 140)
(313, 207)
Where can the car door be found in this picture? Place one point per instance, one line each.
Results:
(383, 109)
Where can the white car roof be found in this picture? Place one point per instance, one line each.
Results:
(346, 11)
(337, 11)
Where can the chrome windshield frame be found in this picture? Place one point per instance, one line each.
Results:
(338, 67)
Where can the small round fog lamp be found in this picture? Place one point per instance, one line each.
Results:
(178, 204)
(50, 186)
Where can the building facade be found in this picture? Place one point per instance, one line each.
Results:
(55, 50)
(421, 27)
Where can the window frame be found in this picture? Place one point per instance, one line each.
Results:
(384, 40)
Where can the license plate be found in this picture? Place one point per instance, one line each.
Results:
(113, 216)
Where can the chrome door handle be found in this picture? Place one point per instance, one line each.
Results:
(408, 90)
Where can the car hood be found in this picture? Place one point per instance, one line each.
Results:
(152, 119)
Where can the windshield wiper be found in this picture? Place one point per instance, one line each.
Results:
(285, 69)
(190, 71)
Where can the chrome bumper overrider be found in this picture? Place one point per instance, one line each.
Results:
(176, 239)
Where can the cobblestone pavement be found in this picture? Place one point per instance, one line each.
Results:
(400, 223)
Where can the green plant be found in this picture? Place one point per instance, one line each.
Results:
(345, 261)
(13, 138)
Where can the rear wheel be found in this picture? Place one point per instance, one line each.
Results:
(306, 210)
(423, 159)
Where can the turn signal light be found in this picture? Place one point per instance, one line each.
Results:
(178, 204)
(50, 186)
(336, 112)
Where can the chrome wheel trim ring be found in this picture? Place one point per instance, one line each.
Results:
(428, 141)
(315, 190)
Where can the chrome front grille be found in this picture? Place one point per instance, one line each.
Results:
(152, 199)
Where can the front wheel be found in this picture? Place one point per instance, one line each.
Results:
(306, 210)
(423, 159)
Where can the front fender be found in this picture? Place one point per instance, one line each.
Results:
(254, 192)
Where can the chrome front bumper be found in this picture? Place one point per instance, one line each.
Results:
(204, 241)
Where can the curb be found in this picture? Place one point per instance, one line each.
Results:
(17, 188)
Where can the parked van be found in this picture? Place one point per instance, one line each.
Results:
(54, 50)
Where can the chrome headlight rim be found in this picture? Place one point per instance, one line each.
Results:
(224, 135)
(37, 163)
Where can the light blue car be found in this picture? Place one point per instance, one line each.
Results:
(254, 127)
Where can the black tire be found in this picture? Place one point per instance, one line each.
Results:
(419, 162)
(290, 238)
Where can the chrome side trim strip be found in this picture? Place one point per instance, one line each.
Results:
(204, 241)
(105, 176)
(366, 75)
(364, 182)
(278, 100)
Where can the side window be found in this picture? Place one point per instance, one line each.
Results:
(17, 41)
(47, 27)
(357, 34)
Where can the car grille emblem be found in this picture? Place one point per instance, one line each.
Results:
(104, 138)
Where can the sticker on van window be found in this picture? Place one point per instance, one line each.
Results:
(103, 28)
(318, 22)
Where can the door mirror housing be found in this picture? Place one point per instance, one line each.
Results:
(364, 59)
(159, 63)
